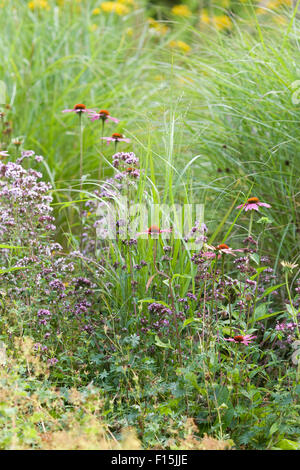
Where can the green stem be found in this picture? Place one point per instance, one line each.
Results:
(294, 315)
(250, 224)
(81, 175)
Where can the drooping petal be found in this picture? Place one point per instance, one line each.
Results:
(250, 207)
(113, 119)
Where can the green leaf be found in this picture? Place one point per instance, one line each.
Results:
(258, 271)
(10, 247)
(159, 343)
(273, 428)
(184, 276)
(16, 268)
(188, 321)
(268, 316)
(287, 444)
(255, 258)
(269, 290)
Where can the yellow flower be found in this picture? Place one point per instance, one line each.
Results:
(42, 4)
(222, 22)
(93, 27)
(204, 18)
(181, 10)
(96, 11)
(180, 45)
(127, 2)
(157, 27)
(114, 7)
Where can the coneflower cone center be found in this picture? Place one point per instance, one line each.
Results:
(238, 338)
(154, 229)
(103, 113)
(223, 246)
(252, 200)
(80, 106)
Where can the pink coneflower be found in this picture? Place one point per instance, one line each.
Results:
(78, 109)
(219, 250)
(241, 339)
(154, 230)
(252, 204)
(103, 114)
(4, 153)
(116, 137)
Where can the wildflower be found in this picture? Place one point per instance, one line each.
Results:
(181, 10)
(93, 27)
(222, 22)
(157, 27)
(183, 46)
(220, 249)
(35, 4)
(252, 204)
(116, 137)
(52, 361)
(114, 7)
(103, 114)
(78, 109)
(127, 2)
(4, 154)
(154, 230)
(288, 267)
(204, 17)
(17, 141)
(96, 11)
(239, 339)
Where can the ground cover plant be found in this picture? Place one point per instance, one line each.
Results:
(149, 195)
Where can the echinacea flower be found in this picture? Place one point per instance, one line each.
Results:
(287, 266)
(4, 154)
(116, 137)
(252, 204)
(219, 250)
(78, 109)
(154, 230)
(239, 339)
(181, 10)
(103, 114)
